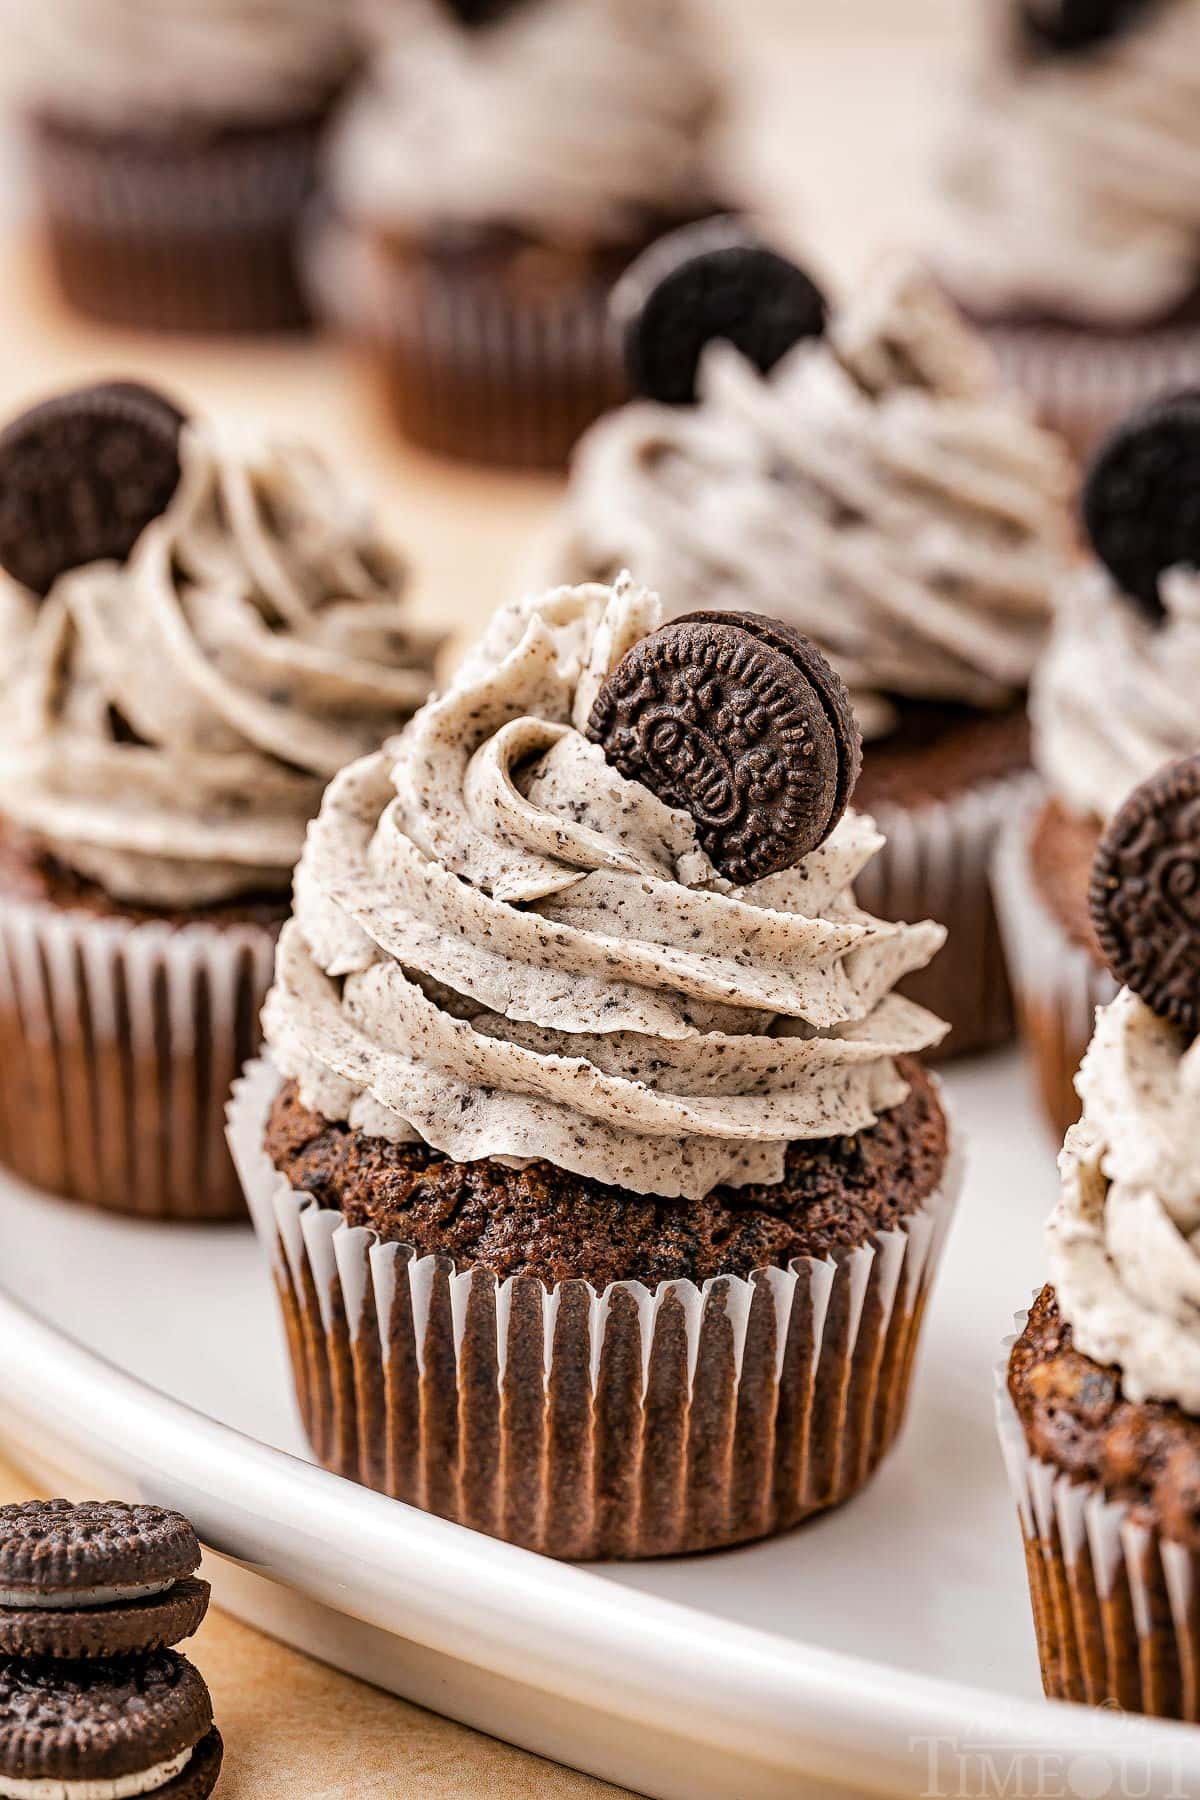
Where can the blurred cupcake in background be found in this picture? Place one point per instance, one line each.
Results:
(1113, 700)
(864, 477)
(500, 168)
(1070, 203)
(1099, 1402)
(220, 632)
(174, 150)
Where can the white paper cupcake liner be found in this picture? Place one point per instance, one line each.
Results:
(1116, 1605)
(119, 1042)
(472, 370)
(1084, 382)
(935, 865)
(1058, 983)
(627, 1423)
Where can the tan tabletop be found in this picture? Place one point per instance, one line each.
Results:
(295, 1730)
(836, 125)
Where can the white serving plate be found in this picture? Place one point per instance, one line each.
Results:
(886, 1649)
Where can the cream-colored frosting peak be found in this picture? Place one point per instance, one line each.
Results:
(1072, 186)
(1115, 697)
(569, 119)
(1125, 1237)
(173, 720)
(877, 491)
(130, 63)
(503, 947)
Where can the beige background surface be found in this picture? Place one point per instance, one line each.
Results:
(841, 105)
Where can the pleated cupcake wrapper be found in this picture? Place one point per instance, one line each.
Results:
(1116, 1606)
(472, 370)
(119, 1042)
(935, 865)
(197, 241)
(627, 1423)
(1058, 983)
(1084, 382)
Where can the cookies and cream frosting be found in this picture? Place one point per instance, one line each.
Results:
(132, 62)
(876, 490)
(504, 948)
(173, 720)
(1072, 186)
(1125, 1236)
(570, 120)
(1114, 698)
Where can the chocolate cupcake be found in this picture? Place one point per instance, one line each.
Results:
(871, 484)
(220, 632)
(174, 149)
(1100, 1412)
(601, 1188)
(499, 169)
(1113, 699)
(1069, 204)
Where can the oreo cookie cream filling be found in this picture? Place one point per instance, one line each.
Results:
(121, 1787)
(504, 947)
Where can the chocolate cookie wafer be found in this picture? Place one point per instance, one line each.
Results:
(107, 1730)
(96, 1579)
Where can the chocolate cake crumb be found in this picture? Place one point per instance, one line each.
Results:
(1077, 1419)
(545, 1221)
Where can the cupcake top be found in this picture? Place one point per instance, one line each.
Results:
(504, 947)
(1125, 1236)
(137, 63)
(1072, 188)
(875, 488)
(574, 121)
(1114, 698)
(174, 715)
(1115, 695)
(1124, 1255)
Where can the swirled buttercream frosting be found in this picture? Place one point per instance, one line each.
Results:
(569, 120)
(506, 949)
(876, 490)
(1125, 1236)
(1071, 186)
(1114, 698)
(173, 720)
(133, 62)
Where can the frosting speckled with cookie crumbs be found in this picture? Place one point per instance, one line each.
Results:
(1114, 697)
(877, 490)
(163, 62)
(1124, 1239)
(173, 720)
(599, 117)
(1072, 186)
(506, 949)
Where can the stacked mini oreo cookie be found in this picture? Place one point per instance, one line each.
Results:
(94, 1702)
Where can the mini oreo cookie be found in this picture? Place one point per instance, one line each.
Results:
(1070, 25)
(1145, 894)
(96, 1579)
(1141, 500)
(124, 1728)
(82, 475)
(476, 13)
(740, 722)
(707, 282)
